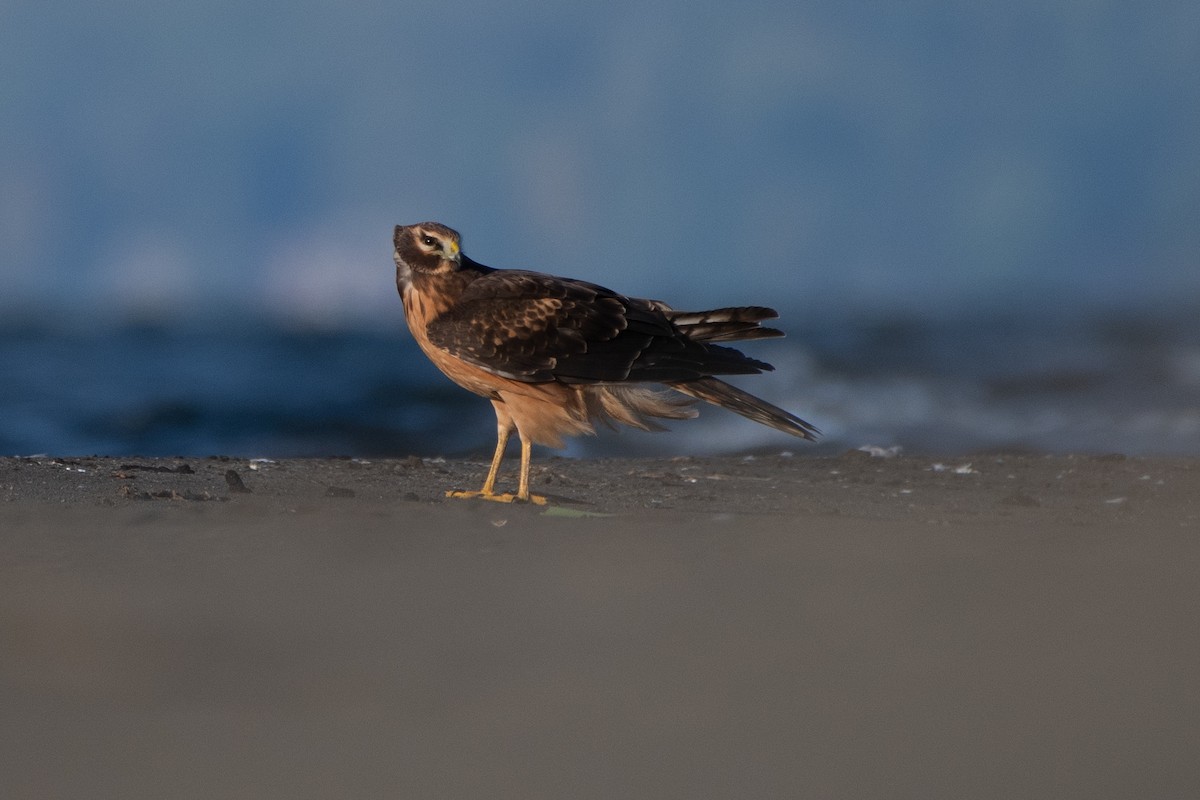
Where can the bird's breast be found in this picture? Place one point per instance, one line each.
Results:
(426, 300)
(420, 309)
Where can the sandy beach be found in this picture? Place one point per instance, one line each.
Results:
(1002, 625)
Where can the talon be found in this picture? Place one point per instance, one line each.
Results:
(506, 497)
(495, 498)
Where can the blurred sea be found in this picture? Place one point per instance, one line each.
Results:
(232, 174)
(1125, 383)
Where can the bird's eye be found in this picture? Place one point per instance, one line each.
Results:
(429, 241)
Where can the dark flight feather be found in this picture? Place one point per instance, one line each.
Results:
(718, 392)
(534, 327)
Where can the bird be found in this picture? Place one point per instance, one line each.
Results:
(556, 355)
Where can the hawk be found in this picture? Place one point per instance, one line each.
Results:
(555, 354)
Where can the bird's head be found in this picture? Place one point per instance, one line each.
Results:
(428, 247)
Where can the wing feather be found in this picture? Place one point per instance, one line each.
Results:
(532, 327)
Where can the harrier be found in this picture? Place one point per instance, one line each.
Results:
(555, 354)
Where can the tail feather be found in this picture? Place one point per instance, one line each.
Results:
(717, 392)
(724, 324)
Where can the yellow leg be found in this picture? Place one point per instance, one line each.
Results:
(489, 483)
(523, 486)
(488, 492)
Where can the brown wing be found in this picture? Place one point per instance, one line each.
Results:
(532, 327)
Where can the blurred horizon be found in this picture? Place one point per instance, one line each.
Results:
(201, 163)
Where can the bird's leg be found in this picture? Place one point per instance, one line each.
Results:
(504, 429)
(489, 483)
(523, 487)
(488, 492)
(523, 484)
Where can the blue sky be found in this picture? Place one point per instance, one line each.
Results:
(215, 160)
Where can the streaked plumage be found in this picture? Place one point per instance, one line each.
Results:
(555, 354)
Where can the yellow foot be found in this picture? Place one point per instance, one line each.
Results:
(507, 497)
